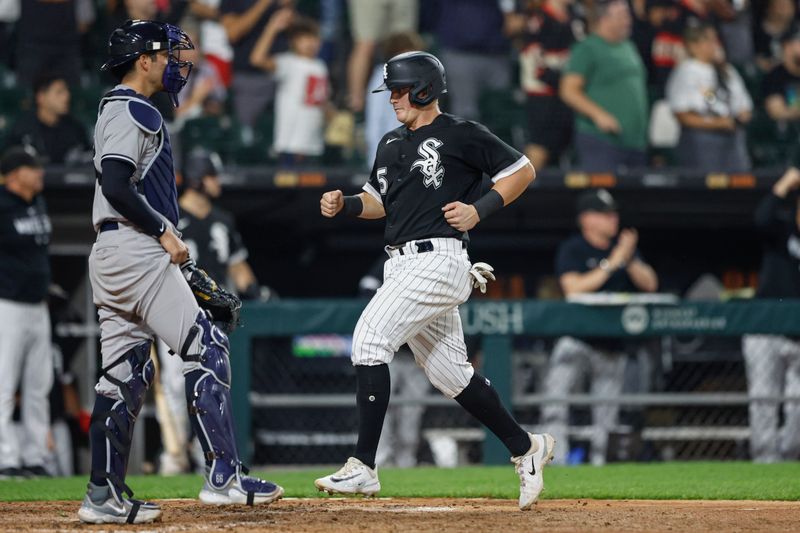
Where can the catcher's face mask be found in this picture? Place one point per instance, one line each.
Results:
(177, 72)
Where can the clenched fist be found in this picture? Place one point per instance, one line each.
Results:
(461, 216)
(331, 203)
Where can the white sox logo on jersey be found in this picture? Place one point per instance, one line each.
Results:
(431, 163)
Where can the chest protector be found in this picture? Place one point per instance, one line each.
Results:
(157, 183)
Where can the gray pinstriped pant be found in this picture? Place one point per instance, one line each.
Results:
(418, 304)
(572, 360)
(772, 364)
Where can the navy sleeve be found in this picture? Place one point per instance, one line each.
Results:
(567, 260)
(121, 194)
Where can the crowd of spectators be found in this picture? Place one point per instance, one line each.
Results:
(593, 84)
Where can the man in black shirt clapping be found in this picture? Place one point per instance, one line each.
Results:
(600, 258)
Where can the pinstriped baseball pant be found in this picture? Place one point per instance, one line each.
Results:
(418, 304)
(572, 359)
(772, 364)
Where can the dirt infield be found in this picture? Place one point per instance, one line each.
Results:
(438, 515)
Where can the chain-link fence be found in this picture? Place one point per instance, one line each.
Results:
(677, 389)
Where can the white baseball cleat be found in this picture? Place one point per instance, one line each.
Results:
(111, 511)
(529, 468)
(353, 478)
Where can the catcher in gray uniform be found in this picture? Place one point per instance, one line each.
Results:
(141, 291)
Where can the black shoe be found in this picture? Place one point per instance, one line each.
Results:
(11, 472)
(35, 471)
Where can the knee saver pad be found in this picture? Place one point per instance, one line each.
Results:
(133, 387)
(209, 346)
(210, 414)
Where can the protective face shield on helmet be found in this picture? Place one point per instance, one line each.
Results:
(173, 79)
(421, 72)
(137, 37)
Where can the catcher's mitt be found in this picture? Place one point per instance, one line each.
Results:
(223, 306)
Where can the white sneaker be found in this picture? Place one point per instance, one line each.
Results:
(240, 489)
(529, 468)
(353, 478)
(113, 512)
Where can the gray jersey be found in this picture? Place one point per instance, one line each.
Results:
(131, 130)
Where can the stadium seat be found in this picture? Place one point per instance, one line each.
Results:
(14, 101)
(254, 146)
(85, 99)
(212, 133)
(503, 114)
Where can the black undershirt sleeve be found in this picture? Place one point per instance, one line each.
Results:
(121, 194)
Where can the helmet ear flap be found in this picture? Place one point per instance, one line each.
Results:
(416, 92)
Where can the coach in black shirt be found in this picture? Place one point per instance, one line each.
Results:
(26, 356)
(24, 230)
(773, 361)
(600, 258)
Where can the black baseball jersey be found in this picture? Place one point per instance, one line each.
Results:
(213, 241)
(24, 236)
(776, 218)
(417, 172)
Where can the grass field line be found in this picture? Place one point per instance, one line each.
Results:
(650, 481)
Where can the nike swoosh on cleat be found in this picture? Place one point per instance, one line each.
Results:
(338, 479)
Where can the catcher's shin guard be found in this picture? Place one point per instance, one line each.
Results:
(209, 402)
(113, 420)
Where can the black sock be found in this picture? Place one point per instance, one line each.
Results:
(481, 400)
(372, 398)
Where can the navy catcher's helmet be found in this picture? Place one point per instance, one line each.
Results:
(137, 37)
(420, 71)
(199, 164)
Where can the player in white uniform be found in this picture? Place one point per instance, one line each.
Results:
(141, 292)
(426, 181)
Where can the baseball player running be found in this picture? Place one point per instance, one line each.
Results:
(426, 181)
(140, 290)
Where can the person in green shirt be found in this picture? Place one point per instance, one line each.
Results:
(605, 83)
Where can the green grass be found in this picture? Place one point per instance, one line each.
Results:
(696, 480)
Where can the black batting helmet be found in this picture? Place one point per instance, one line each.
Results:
(199, 164)
(137, 37)
(421, 71)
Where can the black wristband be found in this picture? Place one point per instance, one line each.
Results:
(353, 206)
(488, 203)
